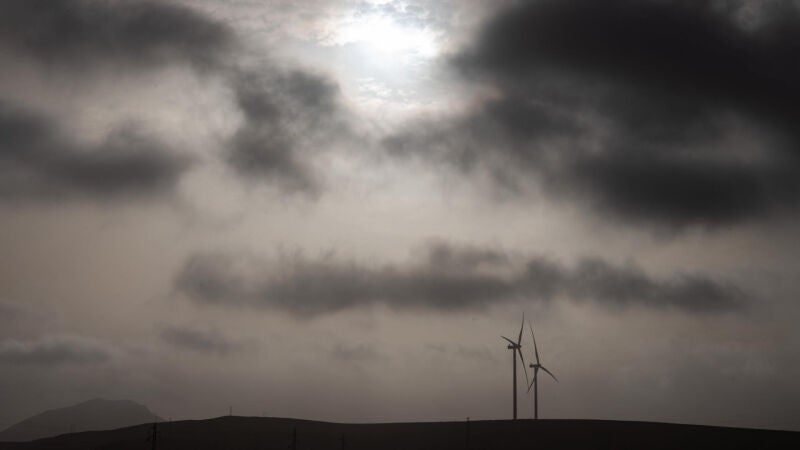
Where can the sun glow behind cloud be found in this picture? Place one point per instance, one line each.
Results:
(386, 53)
(382, 34)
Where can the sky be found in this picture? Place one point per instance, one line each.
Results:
(333, 210)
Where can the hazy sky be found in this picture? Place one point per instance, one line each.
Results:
(333, 209)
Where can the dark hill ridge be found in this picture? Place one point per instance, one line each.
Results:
(97, 414)
(246, 433)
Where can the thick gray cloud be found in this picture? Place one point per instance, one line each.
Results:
(441, 255)
(53, 351)
(283, 113)
(309, 287)
(203, 341)
(81, 34)
(38, 161)
(596, 279)
(463, 280)
(287, 114)
(641, 109)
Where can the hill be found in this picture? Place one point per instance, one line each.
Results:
(97, 414)
(246, 433)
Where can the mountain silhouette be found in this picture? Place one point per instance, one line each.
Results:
(92, 415)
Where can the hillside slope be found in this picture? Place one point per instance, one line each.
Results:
(97, 414)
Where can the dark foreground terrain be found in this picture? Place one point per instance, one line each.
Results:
(248, 433)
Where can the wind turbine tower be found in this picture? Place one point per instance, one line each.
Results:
(516, 348)
(535, 382)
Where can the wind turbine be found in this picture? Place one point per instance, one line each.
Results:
(517, 350)
(535, 382)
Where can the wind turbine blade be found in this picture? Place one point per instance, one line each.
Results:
(535, 376)
(536, 350)
(519, 351)
(549, 373)
(521, 327)
(510, 341)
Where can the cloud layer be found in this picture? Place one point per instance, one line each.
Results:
(37, 161)
(53, 351)
(669, 113)
(203, 341)
(288, 115)
(447, 279)
(82, 34)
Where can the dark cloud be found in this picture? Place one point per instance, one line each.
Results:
(287, 116)
(53, 351)
(313, 287)
(38, 161)
(679, 192)
(200, 340)
(81, 34)
(596, 279)
(443, 256)
(636, 107)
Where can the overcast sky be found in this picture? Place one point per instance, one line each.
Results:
(333, 209)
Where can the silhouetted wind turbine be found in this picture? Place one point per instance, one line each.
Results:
(535, 383)
(517, 350)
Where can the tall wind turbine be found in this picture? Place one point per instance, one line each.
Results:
(535, 382)
(517, 350)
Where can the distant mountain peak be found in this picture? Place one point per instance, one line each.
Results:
(90, 415)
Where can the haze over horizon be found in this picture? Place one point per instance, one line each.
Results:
(331, 210)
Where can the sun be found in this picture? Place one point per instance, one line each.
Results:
(384, 52)
(387, 35)
(384, 35)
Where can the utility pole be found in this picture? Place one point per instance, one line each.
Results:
(466, 444)
(154, 436)
(293, 445)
